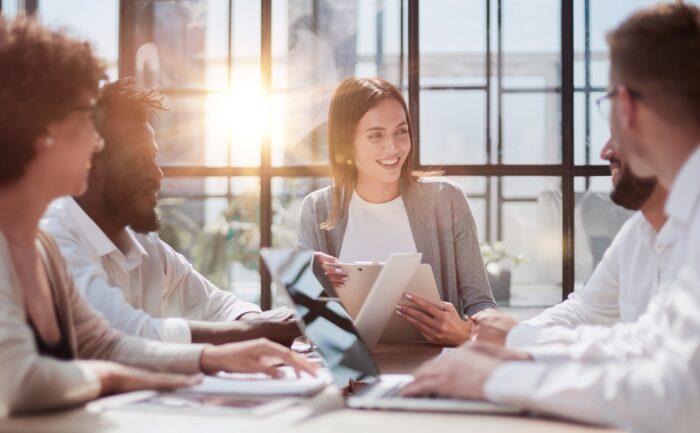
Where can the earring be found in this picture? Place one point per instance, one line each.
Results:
(48, 141)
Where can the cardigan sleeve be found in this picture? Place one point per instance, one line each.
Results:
(308, 236)
(30, 382)
(474, 289)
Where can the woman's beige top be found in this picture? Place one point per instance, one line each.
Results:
(30, 382)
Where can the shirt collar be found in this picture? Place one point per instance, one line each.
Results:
(668, 234)
(135, 251)
(684, 193)
(99, 241)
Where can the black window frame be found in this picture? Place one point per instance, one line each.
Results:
(567, 170)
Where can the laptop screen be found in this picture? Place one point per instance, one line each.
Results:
(325, 321)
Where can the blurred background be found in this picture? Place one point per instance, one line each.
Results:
(502, 93)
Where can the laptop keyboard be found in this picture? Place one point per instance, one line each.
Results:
(394, 391)
(384, 390)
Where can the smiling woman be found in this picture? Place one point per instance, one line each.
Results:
(378, 205)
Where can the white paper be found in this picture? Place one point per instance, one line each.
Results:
(261, 384)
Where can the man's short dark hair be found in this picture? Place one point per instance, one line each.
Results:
(656, 52)
(43, 73)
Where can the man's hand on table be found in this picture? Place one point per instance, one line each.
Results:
(279, 325)
(492, 326)
(461, 373)
(252, 326)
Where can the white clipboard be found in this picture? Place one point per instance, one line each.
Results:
(361, 279)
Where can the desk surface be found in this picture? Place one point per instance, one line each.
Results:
(322, 414)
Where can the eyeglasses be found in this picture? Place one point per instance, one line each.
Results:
(604, 104)
(96, 113)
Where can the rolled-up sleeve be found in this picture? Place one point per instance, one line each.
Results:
(91, 279)
(189, 294)
(596, 304)
(659, 391)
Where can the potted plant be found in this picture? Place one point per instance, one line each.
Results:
(498, 261)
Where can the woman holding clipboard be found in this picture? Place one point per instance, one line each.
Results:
(378, 205)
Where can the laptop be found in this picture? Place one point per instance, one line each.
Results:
(331, 329)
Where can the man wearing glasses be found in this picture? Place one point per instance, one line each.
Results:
(645, 375)
(641, 258)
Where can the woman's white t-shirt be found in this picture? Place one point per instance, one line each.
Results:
(376, 230)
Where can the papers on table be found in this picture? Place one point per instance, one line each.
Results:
(258, 384)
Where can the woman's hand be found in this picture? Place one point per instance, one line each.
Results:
(439, 325)
(333, 272)
(116, 378)
(254, 356)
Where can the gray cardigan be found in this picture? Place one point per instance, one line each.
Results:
(443, 229)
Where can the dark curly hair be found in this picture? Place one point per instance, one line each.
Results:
(43, 73)
(124, 101)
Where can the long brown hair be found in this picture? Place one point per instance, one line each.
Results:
(351, 101)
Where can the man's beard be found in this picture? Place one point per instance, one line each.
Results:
(118, 203)
(631, 192)
(146, 223)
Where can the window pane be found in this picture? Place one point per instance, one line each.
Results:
(598, 132)
(531, 128)
(453, 127)
(526, 234)
(597, 221)
(522, 187)
(603, 17)
(528, 52)
(10, 8)
(96, 21)
(246, 109)
(182, 131)
(172, 41)
(533, 228)
(315, 45)
(220, 236)
(199, 130)
(287, 196)
(471, 185)
(452, 42)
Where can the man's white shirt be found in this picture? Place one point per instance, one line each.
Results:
(636, 265)
(643, 376)
(149, 290)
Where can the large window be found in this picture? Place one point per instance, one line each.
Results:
(502, 94)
